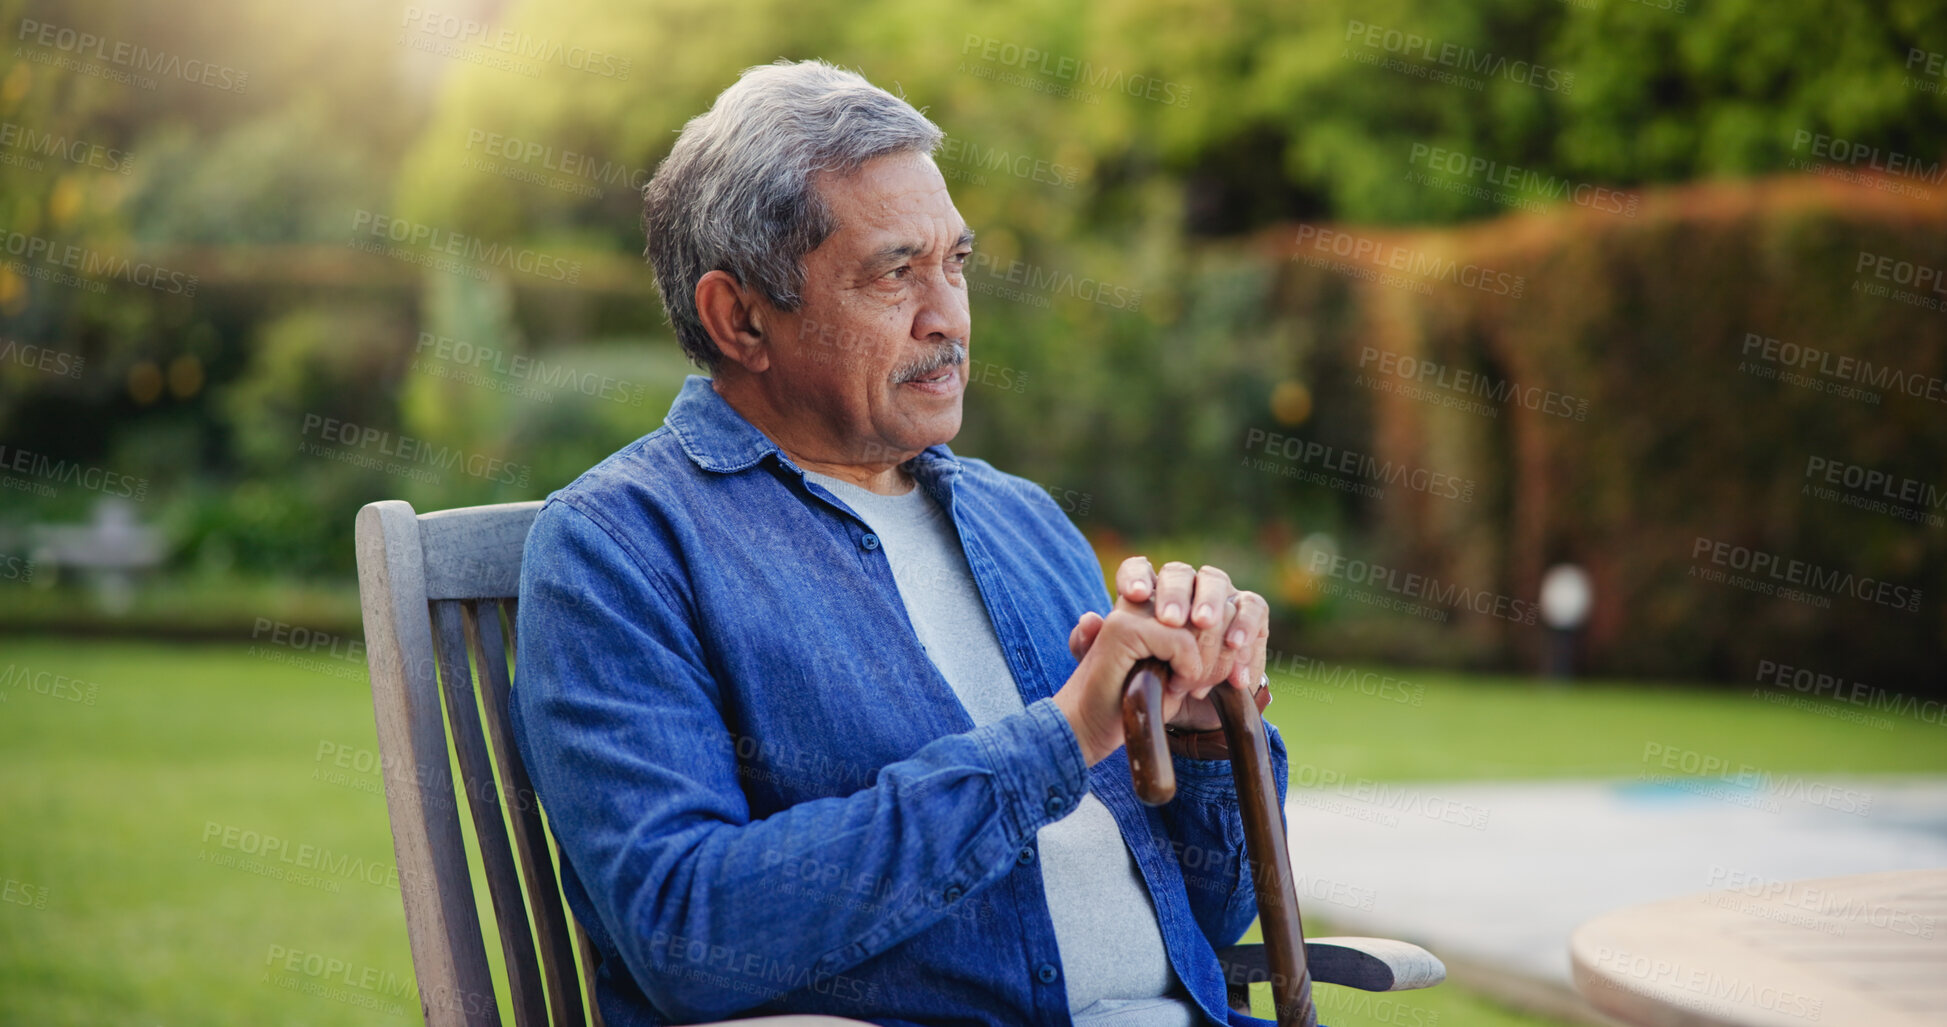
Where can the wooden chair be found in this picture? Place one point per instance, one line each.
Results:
(438, 594)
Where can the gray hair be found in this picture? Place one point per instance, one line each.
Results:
(735, 192)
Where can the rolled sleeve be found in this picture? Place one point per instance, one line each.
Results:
(1043, 772)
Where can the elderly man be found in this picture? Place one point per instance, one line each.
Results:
(825, 718)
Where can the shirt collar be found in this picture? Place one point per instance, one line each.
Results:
(717, 438)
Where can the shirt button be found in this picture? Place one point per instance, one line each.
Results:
(1047, 973)
(869, 541)
(1026, 856)
(951, 895)
(1056, 804)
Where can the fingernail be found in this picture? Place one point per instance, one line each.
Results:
(1173, 612)
(1236, 638)
(1203, 615)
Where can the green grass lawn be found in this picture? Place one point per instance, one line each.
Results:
(132, 820)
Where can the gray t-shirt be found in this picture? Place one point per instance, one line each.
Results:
(1117, 971)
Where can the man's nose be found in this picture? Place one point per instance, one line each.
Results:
(943, 312)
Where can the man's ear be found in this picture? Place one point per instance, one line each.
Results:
(734, 316)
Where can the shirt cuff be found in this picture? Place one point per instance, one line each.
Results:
(1038, 761)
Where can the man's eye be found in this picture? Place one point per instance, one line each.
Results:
(961, 258)
(899, 272)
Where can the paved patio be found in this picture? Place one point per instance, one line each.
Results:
(1494, 877)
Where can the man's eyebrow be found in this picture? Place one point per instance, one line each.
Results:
(905, 251)
(894, 254)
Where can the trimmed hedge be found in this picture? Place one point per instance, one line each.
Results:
(1713, 385)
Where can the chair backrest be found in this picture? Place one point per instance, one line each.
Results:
(438, 593)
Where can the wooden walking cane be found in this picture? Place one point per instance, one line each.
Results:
(1257, 796)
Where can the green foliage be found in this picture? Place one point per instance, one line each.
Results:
(1114, 156)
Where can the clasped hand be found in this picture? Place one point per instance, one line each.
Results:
(1208, 631)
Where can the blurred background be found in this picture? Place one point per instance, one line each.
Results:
(1569, 376)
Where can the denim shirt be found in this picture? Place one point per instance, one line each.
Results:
(767, 798)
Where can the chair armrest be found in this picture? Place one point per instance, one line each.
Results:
(1369, 964)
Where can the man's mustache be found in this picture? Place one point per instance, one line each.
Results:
(953, 353)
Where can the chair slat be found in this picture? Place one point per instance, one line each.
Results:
(483, 800)
(531, 849)
(474, 552)
(448, 957)
(590, 961)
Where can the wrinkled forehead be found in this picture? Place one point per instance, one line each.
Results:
(899, 200)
